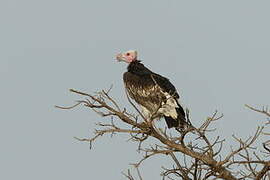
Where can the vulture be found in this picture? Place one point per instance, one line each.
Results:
(155, 94)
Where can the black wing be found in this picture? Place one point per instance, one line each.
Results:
(143, 90)
(165, 84)
(168, 87)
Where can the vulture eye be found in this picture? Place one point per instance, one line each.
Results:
(128, 54)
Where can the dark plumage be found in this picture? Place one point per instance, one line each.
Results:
(153, 92)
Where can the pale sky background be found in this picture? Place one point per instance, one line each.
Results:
(216, 53)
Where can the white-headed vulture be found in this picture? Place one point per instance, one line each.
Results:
(154, 93)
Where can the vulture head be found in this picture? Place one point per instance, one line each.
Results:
(128, 57)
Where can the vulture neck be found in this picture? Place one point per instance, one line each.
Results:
(138, 68)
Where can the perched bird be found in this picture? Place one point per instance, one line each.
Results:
(154, 93)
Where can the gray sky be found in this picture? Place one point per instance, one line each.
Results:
(215, 52)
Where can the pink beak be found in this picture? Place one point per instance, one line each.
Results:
(119, 57)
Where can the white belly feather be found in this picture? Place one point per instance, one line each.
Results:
(169, 108)
(146, 112)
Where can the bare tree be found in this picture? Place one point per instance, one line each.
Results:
(198, 157)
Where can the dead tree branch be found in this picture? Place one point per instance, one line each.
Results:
(202, 158)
